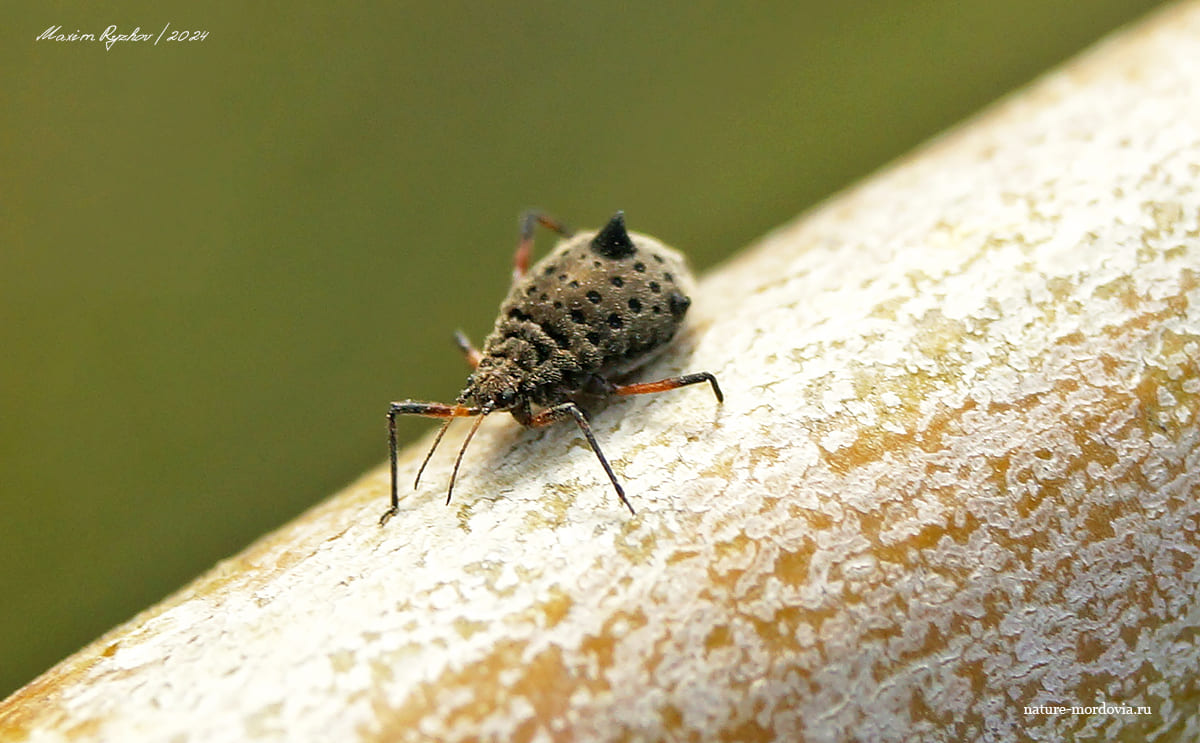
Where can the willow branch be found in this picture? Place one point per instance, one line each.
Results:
(954, 479)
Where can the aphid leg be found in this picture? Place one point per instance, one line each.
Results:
(529, 220)
(471, 353)
(558, 412)
(429, 410)
(671, 383)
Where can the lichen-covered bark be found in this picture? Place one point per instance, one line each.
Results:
(956, 475)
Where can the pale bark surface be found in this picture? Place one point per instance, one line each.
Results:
(956, 474)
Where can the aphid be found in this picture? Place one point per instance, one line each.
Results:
(600, 305)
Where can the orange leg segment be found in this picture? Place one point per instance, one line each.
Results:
(671, 383)
(471, 353)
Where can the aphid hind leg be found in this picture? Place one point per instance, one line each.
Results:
(662, 385)
(471, 353)
(529, 220)
(429, 410)
(558, 412)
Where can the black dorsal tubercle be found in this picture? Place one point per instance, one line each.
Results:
(613, 241)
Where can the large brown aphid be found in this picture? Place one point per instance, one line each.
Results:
(596, 308)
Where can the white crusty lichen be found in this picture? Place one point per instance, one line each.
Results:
(955, 482)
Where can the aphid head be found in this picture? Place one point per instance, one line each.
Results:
(492, 388)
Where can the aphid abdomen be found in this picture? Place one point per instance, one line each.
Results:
(605, 311)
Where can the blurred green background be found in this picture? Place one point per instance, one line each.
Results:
(220, 259)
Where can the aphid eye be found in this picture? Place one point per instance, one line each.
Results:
(506, 398)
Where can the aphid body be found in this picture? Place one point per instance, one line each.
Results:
(600, 305)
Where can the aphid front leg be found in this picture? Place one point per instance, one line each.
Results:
(558, 412)
(429, 410)
(529, 220)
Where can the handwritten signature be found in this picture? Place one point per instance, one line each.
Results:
(112, 35)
